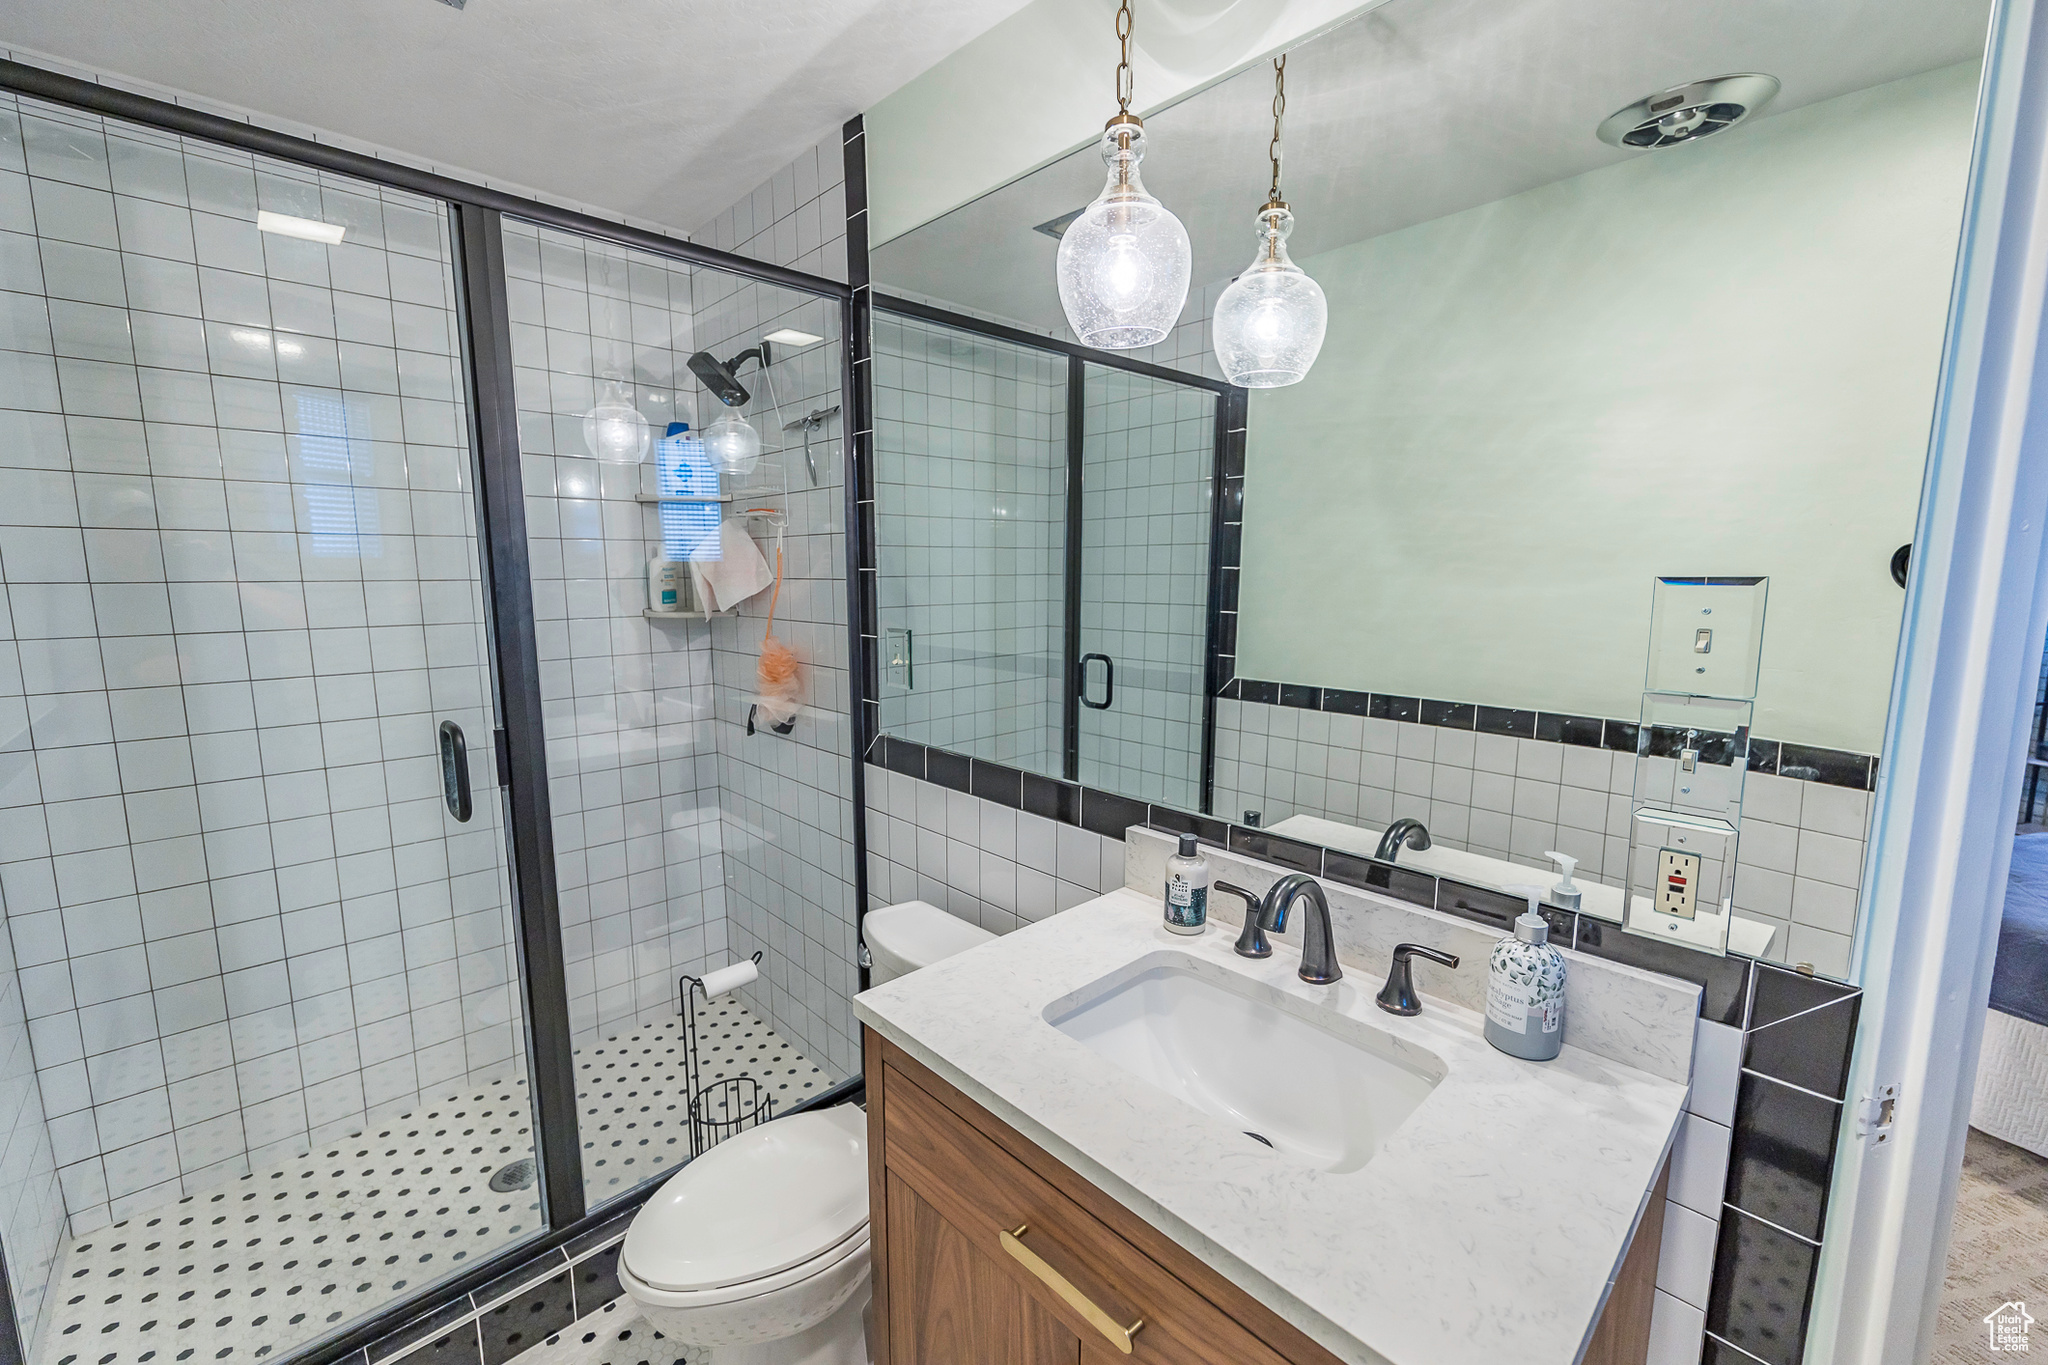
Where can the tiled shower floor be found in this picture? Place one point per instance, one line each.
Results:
(250, 1269)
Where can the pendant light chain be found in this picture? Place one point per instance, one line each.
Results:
(1123, 262)
(1125, 84)
(1268, 324)
(1279, 109)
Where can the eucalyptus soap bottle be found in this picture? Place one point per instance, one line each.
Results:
(1187, 889)
(1525, 987)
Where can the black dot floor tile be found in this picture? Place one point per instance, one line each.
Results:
(615, 1334)
(246, 1271)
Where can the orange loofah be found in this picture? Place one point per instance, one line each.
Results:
(778, 675)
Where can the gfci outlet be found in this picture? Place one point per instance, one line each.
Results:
(1678, 883)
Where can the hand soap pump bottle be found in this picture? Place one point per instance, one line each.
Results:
(1565, 895)
(1525, 987)
(1187, 889)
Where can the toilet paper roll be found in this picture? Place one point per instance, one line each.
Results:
(727, 979)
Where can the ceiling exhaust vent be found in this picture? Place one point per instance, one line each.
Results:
(1056, 228)
(1687, 113)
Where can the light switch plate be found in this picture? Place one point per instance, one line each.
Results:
(898, 669)
(1678, 883)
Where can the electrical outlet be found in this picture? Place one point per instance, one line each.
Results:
(1678, 883)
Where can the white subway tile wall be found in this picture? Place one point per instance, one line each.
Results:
(1148, 459)
(626, 702)
(986, 863)
(242, 590)
(970, 510)
(786, 801)
(31, 1201)
(1799, 856)
(795, 218)
(1692, 1206)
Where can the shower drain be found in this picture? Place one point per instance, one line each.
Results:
(516, 1175)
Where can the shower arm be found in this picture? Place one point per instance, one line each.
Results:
(757, 353)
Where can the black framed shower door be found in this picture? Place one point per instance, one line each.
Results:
(517, 742)
(1094, 672)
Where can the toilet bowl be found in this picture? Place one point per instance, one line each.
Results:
(756, 1253)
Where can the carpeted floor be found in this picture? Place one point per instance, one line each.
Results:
(1998, 1250)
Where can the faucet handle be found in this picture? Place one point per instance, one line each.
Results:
(1251, 942)
(1398, 995)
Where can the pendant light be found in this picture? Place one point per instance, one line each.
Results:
(613, 430)
(1123, 264)
(733, 444)
(1269, 323)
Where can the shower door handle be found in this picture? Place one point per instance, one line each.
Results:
(1108, 682)
(455, 771)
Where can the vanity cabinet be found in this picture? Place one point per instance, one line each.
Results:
(988, 1250)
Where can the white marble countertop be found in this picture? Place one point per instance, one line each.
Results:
(1486, 1229)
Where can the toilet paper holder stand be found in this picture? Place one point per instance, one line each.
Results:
(728, 1105)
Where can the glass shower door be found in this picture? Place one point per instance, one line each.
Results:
(686, 837)
(1147, 460)
(254, 867)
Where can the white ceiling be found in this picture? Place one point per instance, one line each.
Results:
(666, 110)
(1419, 109)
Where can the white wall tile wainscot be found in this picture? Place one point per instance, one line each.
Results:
(1800, 854)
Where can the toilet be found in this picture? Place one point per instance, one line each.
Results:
(756, 1253)
(902, 938)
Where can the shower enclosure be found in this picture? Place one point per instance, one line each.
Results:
(356, 822)
(1044, 525)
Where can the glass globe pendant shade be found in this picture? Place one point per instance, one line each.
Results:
(614, 431)
(1123, 264)
(1269, 323)
(733, 444)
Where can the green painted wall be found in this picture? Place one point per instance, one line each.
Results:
(1712, 360)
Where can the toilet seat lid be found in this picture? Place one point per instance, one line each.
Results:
(758, 1203)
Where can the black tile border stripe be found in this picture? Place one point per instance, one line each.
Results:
(417, 1337)
(1726, 981)
(1782, 758)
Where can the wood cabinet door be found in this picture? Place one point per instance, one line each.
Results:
(949, 1304)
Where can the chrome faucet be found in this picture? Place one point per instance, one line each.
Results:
(1318, 945)
(1406, 830)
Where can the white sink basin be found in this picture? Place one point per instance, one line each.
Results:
(1312, 1083)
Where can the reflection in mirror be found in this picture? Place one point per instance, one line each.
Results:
(1561, 364)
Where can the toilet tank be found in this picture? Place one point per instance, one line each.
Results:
(902, 938)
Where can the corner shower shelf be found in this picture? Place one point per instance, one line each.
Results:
(682, 497)
(682, 615)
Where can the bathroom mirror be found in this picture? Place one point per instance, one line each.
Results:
(1558, 368)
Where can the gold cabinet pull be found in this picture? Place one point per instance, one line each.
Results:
(1119, 1335)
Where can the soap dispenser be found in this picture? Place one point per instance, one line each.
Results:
(1565, 895)
(1525, 987)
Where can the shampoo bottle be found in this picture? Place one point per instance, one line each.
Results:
(1187, 889)
(663, 575)
(1525, 987)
